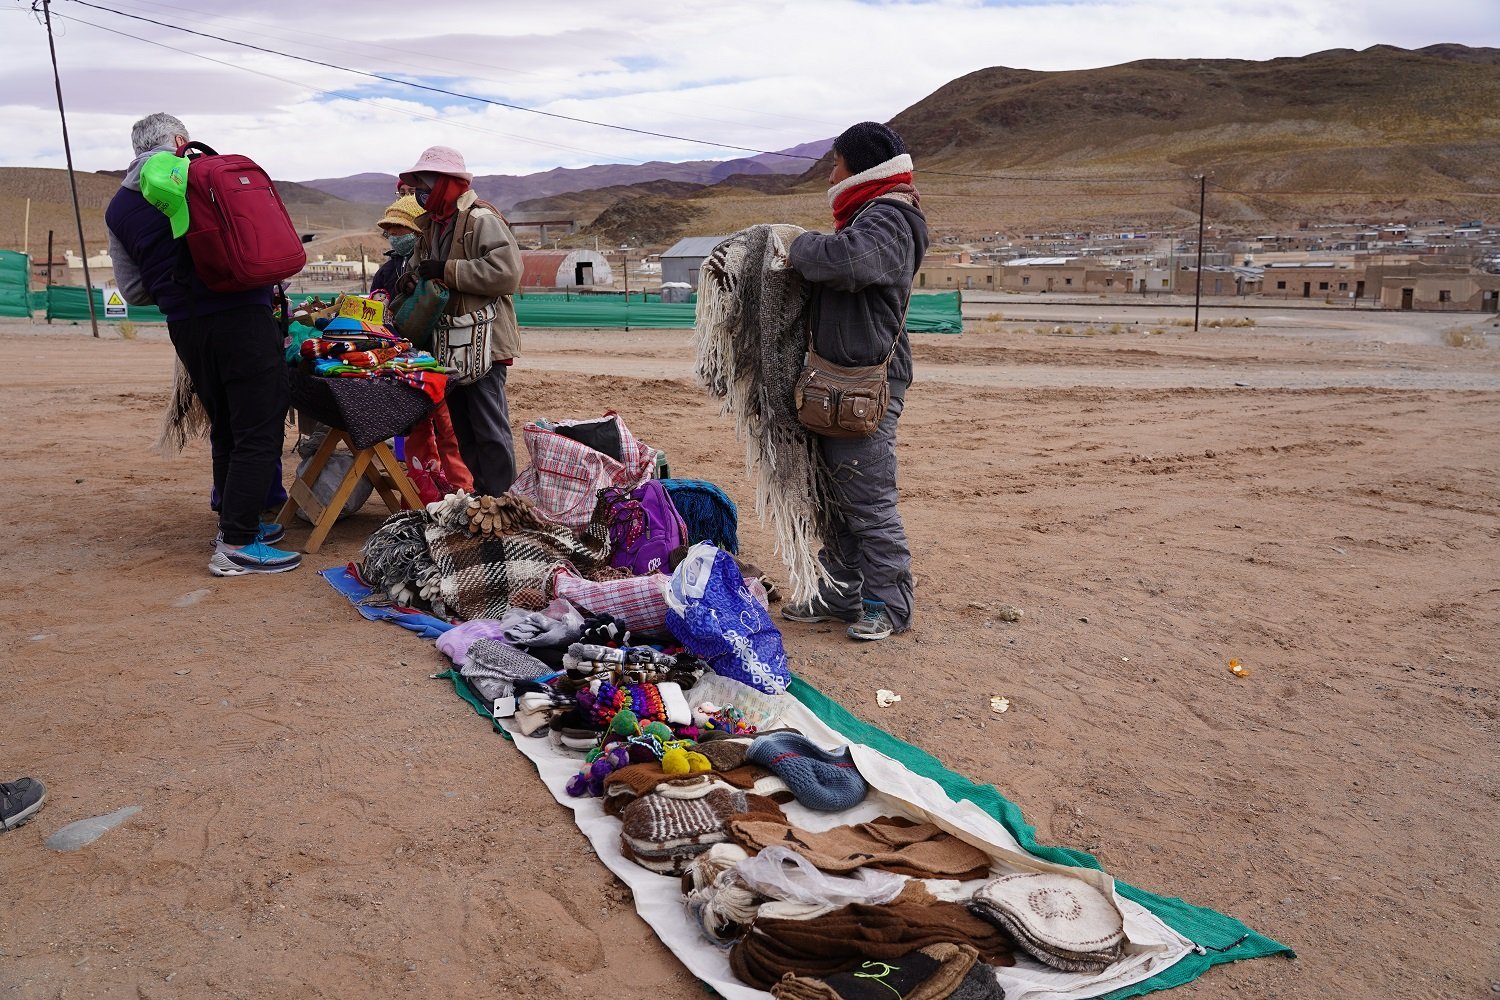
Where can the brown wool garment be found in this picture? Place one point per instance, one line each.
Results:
(839, 941)
(890, 843)
(724, 755)
(634, 780)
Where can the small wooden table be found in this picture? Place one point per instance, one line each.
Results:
(376, 463)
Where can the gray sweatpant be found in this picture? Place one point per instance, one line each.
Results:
(868, 553)
(481, 422)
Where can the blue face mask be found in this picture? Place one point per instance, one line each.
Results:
(403, 245)
(421, 197)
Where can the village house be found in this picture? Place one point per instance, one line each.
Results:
(1221, 280)
(1313, 280)
(1441, 291)
(957, 271)
(681, 261)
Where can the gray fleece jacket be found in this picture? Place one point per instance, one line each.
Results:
(861, 278)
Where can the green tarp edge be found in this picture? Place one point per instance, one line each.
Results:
(937, 313)
(1223, 938)
(15, 271)
(462, 690)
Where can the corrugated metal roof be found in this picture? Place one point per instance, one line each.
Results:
(539, 267)
(694, 246)
(1040, 261)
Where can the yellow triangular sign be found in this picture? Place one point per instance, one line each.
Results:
(115, 300)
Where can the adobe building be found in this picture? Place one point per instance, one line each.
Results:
(1313, 280)
(945, 274)
(1046, 274)
(1438, 291)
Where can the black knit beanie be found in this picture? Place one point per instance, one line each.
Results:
(867, 145)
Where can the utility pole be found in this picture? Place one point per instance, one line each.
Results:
(625, 266)
(88, 284)
(1198, 285)
(49, 277)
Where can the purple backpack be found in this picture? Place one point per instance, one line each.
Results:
(644, 527)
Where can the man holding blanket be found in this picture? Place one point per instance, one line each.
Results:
(861, 276)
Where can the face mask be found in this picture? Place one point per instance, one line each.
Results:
(403, 245)
(421, 197)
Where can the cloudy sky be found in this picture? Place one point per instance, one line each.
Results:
(761, 75)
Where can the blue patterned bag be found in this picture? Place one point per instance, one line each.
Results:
(711, 611)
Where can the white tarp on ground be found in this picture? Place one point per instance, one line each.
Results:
(897, 791)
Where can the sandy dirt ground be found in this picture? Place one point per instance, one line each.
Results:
(320, 819)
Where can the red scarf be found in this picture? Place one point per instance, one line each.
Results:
(442, 200)
(851, 200)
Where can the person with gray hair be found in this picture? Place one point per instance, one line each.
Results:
(158, 131)
(230, 344)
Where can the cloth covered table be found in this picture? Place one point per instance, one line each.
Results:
(362, 413)
(366, 409)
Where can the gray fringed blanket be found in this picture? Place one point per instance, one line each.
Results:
(751, 341)
(184, 418)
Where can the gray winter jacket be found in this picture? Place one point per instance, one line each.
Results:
(861, 279)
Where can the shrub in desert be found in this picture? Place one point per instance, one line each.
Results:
(1463, 336)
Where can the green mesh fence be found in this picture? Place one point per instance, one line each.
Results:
(937, 313)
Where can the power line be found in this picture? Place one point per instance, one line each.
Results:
(586, 121)
(278, 31)
(334, 94)
(442, 90)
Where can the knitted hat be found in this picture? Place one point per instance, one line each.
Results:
(725, 755)
(664, 834)
(1060, 920)
(867, 145)
(818, 779)
(403, 212)
(438, 160)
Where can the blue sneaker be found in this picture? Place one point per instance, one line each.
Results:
(873, 624)
(270, 532)
(257, 557)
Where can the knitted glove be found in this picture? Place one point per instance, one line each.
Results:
(431, 270)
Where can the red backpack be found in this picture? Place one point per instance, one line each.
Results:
(239, 233)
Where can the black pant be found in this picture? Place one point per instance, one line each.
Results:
(235, 360)
(481, 422)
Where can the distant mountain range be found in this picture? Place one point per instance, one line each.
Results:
(1380, 134)
(1383, 120)
(507, 190)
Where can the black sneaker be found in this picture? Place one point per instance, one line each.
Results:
(20, 800)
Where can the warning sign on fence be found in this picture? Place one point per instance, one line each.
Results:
(114, 304)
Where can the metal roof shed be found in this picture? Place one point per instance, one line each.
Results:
(682, 260)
